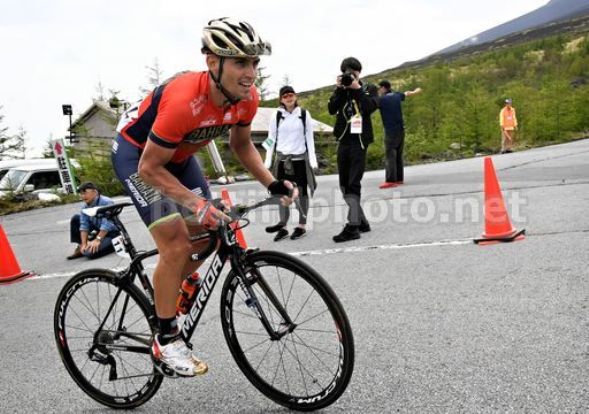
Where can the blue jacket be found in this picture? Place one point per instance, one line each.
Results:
(391, 112)
(88, 223)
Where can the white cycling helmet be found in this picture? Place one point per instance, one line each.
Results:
(227, 37)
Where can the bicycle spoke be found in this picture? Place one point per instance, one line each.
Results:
(283, 368)
(264, 357)
(97, 368)
(302, 343)
(309, 374)
(253, 333)
(304, 304)
(80, 337)
(122, 344)
(300, 367)
(312, 349)
(292, 286)
(79, 329)
(87, 305)
(315, 330)
(277, 368)
(245, 351)
(305, 365)
(139, 319)
(80, 319)
(290, 291)
(84, 350)
(249, 315)
(128, 363)
(313, 317)
(124, 369)
(102, 377)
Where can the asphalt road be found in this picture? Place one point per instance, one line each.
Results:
(441, 325)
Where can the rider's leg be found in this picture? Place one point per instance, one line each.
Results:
(173, 241)
(196, 247)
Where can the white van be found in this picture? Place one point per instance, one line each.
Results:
(8, 164)
(35, 178)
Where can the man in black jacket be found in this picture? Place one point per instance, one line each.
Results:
(353, 106)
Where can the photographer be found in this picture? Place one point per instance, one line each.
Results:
(352, 104)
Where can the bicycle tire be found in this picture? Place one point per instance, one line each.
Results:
(79, 311)
(316, 388)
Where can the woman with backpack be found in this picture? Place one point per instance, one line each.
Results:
(291, 155)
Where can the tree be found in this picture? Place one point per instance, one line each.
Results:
(100, 91)
(155, 77)
(260, 83)
(286, 80)
(4, 137)
(11, 146)
(478, 110)
(19, 143)
(48, 149)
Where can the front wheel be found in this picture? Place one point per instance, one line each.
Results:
(304, 357)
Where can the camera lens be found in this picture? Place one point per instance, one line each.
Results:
(347, 79)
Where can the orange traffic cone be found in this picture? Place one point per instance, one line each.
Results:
(9, 267)
(234, 226)
(498, 227)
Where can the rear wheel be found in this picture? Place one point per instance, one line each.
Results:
(103, 333)
(304, 365)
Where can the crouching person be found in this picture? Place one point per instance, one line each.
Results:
(93, 235)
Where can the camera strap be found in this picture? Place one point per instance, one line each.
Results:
(355, 121)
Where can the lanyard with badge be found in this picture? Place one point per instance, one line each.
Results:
(355, 121)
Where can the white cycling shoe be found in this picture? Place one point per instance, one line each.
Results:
(176, 359)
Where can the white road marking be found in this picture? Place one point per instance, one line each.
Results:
(319, 252)
(381, 247)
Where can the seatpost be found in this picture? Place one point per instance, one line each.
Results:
(126, 238)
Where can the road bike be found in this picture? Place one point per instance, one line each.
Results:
(284, 326)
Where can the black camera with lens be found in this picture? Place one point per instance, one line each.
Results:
(347, 79)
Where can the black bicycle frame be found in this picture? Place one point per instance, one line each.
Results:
(228, 249)
(238, 258)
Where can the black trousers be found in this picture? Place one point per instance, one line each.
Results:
(299, 177)
(105, 247)
(351, 162)
(393, 144)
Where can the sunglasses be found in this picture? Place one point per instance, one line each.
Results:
(288, 95)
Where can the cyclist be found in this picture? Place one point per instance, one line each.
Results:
(153, 158)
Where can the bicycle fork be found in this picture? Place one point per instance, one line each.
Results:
(246, 283)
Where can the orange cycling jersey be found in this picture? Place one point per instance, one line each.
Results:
(178, 114)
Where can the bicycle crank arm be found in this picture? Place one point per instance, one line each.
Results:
(127, 348)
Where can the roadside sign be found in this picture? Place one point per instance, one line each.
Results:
(68, 181)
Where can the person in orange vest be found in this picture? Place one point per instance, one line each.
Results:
(508, 122)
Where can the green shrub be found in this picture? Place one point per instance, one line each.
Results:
(100, 171)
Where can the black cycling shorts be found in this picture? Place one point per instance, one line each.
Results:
(153, 207)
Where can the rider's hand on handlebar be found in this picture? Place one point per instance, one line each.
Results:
(209, 216)
(286, 189)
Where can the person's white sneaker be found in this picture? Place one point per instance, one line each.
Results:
(177, 357)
